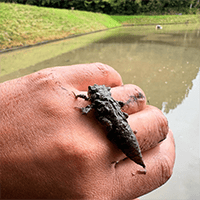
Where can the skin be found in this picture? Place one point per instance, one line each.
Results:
(51, 151)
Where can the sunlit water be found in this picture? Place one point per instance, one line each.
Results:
(164, 63)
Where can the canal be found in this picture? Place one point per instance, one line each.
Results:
(164, 63)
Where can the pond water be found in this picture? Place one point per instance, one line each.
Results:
(164, 63)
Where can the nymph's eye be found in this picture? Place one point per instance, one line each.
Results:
(92, 91)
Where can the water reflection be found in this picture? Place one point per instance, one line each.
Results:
(163, 64)
(184, 122)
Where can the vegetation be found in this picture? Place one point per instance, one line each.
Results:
(157, 19)
(22, 25)
(121, 7)
(26, 25)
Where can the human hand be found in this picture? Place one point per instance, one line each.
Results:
(51, 151)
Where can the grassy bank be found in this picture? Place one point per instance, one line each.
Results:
(22, 25)
(26, 25)
(159, 19)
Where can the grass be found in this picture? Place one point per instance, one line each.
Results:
(22, 25)
(26, 25)
(158, 19)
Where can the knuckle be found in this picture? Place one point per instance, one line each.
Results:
(166, 170)
(104, 69)
(41, 79)
(108, 73)
(44, 91)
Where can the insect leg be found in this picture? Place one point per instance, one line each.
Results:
(121, 103)
(125, 115)
(124, 158)
(115, 163)
(86, 109)
(81, 96)
(106, 122)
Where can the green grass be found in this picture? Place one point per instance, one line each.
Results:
(158, 19)
(25, 25)
(22, 25)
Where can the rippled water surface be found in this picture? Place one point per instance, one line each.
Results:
(164, 63)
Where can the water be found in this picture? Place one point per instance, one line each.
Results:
(184, 121)
(164, 63)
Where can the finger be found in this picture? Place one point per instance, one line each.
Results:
(133, 97)
(150, 127)
(159, 166)
(82, 75)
